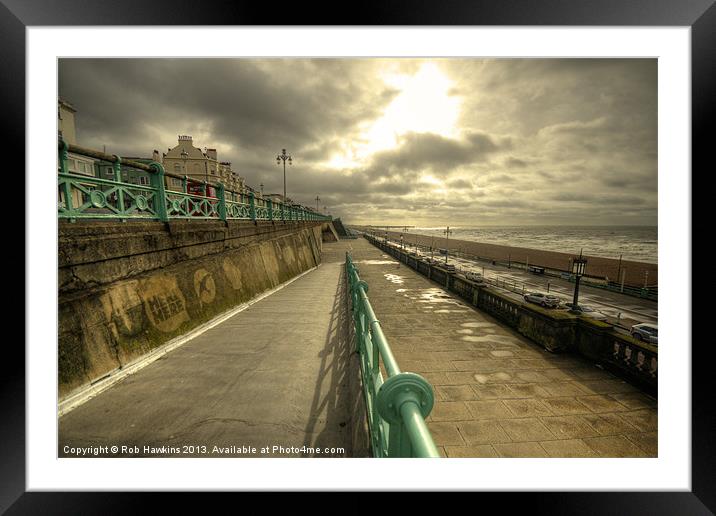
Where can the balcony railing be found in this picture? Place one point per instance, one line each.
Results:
(397, 407)
(82, 196)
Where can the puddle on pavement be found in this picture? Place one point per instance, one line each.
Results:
(377, 262)
(495, 339)
(484, 378)
(394, 278)
(436, 295)
(478, 325)
(466, 331)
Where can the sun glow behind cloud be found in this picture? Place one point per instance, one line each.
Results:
(424, 105)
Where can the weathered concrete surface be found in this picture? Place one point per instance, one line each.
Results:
(497, 393)
(329, 232)
(277, 373)
(136, 286)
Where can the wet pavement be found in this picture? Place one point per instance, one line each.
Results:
(497, 393)
(633, 310)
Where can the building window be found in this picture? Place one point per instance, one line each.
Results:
(177, 168)
(143, 180)
(176, 182)
(80, 167)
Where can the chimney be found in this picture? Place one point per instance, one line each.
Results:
(184, 138)
(211, 153)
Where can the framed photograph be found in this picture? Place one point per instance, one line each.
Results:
(430, 236)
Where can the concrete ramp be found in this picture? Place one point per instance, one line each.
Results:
(272, 381)
(340, 228)
(329, 232)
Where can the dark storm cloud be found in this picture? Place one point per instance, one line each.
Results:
(553, 140)
(419, 151)
(258, 106)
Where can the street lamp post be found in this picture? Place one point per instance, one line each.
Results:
(447, 232)
(283, 157)
(317, 199)
(579, 264)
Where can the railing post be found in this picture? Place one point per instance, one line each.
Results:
(270, 209)
(160, 191)
(117, 167)
(252, 206)
(185, 184)
(63, 156)
(222, 201)
(66, 185)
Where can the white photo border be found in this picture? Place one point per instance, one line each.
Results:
(670, 471)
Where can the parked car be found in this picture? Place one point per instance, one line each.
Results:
(646, 332)
(588, 311)
(545, 300)
(475, 277)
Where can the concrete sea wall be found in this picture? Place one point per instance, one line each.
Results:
(125, 289)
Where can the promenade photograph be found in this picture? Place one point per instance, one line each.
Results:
(357, 258)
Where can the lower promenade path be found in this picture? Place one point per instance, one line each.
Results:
(497, 393)
(275, 374)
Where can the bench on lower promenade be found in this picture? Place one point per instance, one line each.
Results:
(396, 407)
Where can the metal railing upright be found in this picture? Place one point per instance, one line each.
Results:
(397, 406)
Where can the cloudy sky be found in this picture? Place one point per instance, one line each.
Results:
(426, 142)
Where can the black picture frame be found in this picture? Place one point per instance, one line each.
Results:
(699, 15)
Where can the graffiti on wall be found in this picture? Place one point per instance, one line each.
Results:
(164, 302)
(118, 305)
(204, 286)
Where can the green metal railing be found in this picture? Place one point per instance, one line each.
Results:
(397, 407)
(82, 196)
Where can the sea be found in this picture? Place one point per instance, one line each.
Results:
(637, 243)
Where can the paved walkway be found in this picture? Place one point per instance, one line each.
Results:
(273, 375)
(277, 374)
(497, 393)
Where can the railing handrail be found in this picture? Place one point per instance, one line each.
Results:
(399, 405)
(131, 205)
